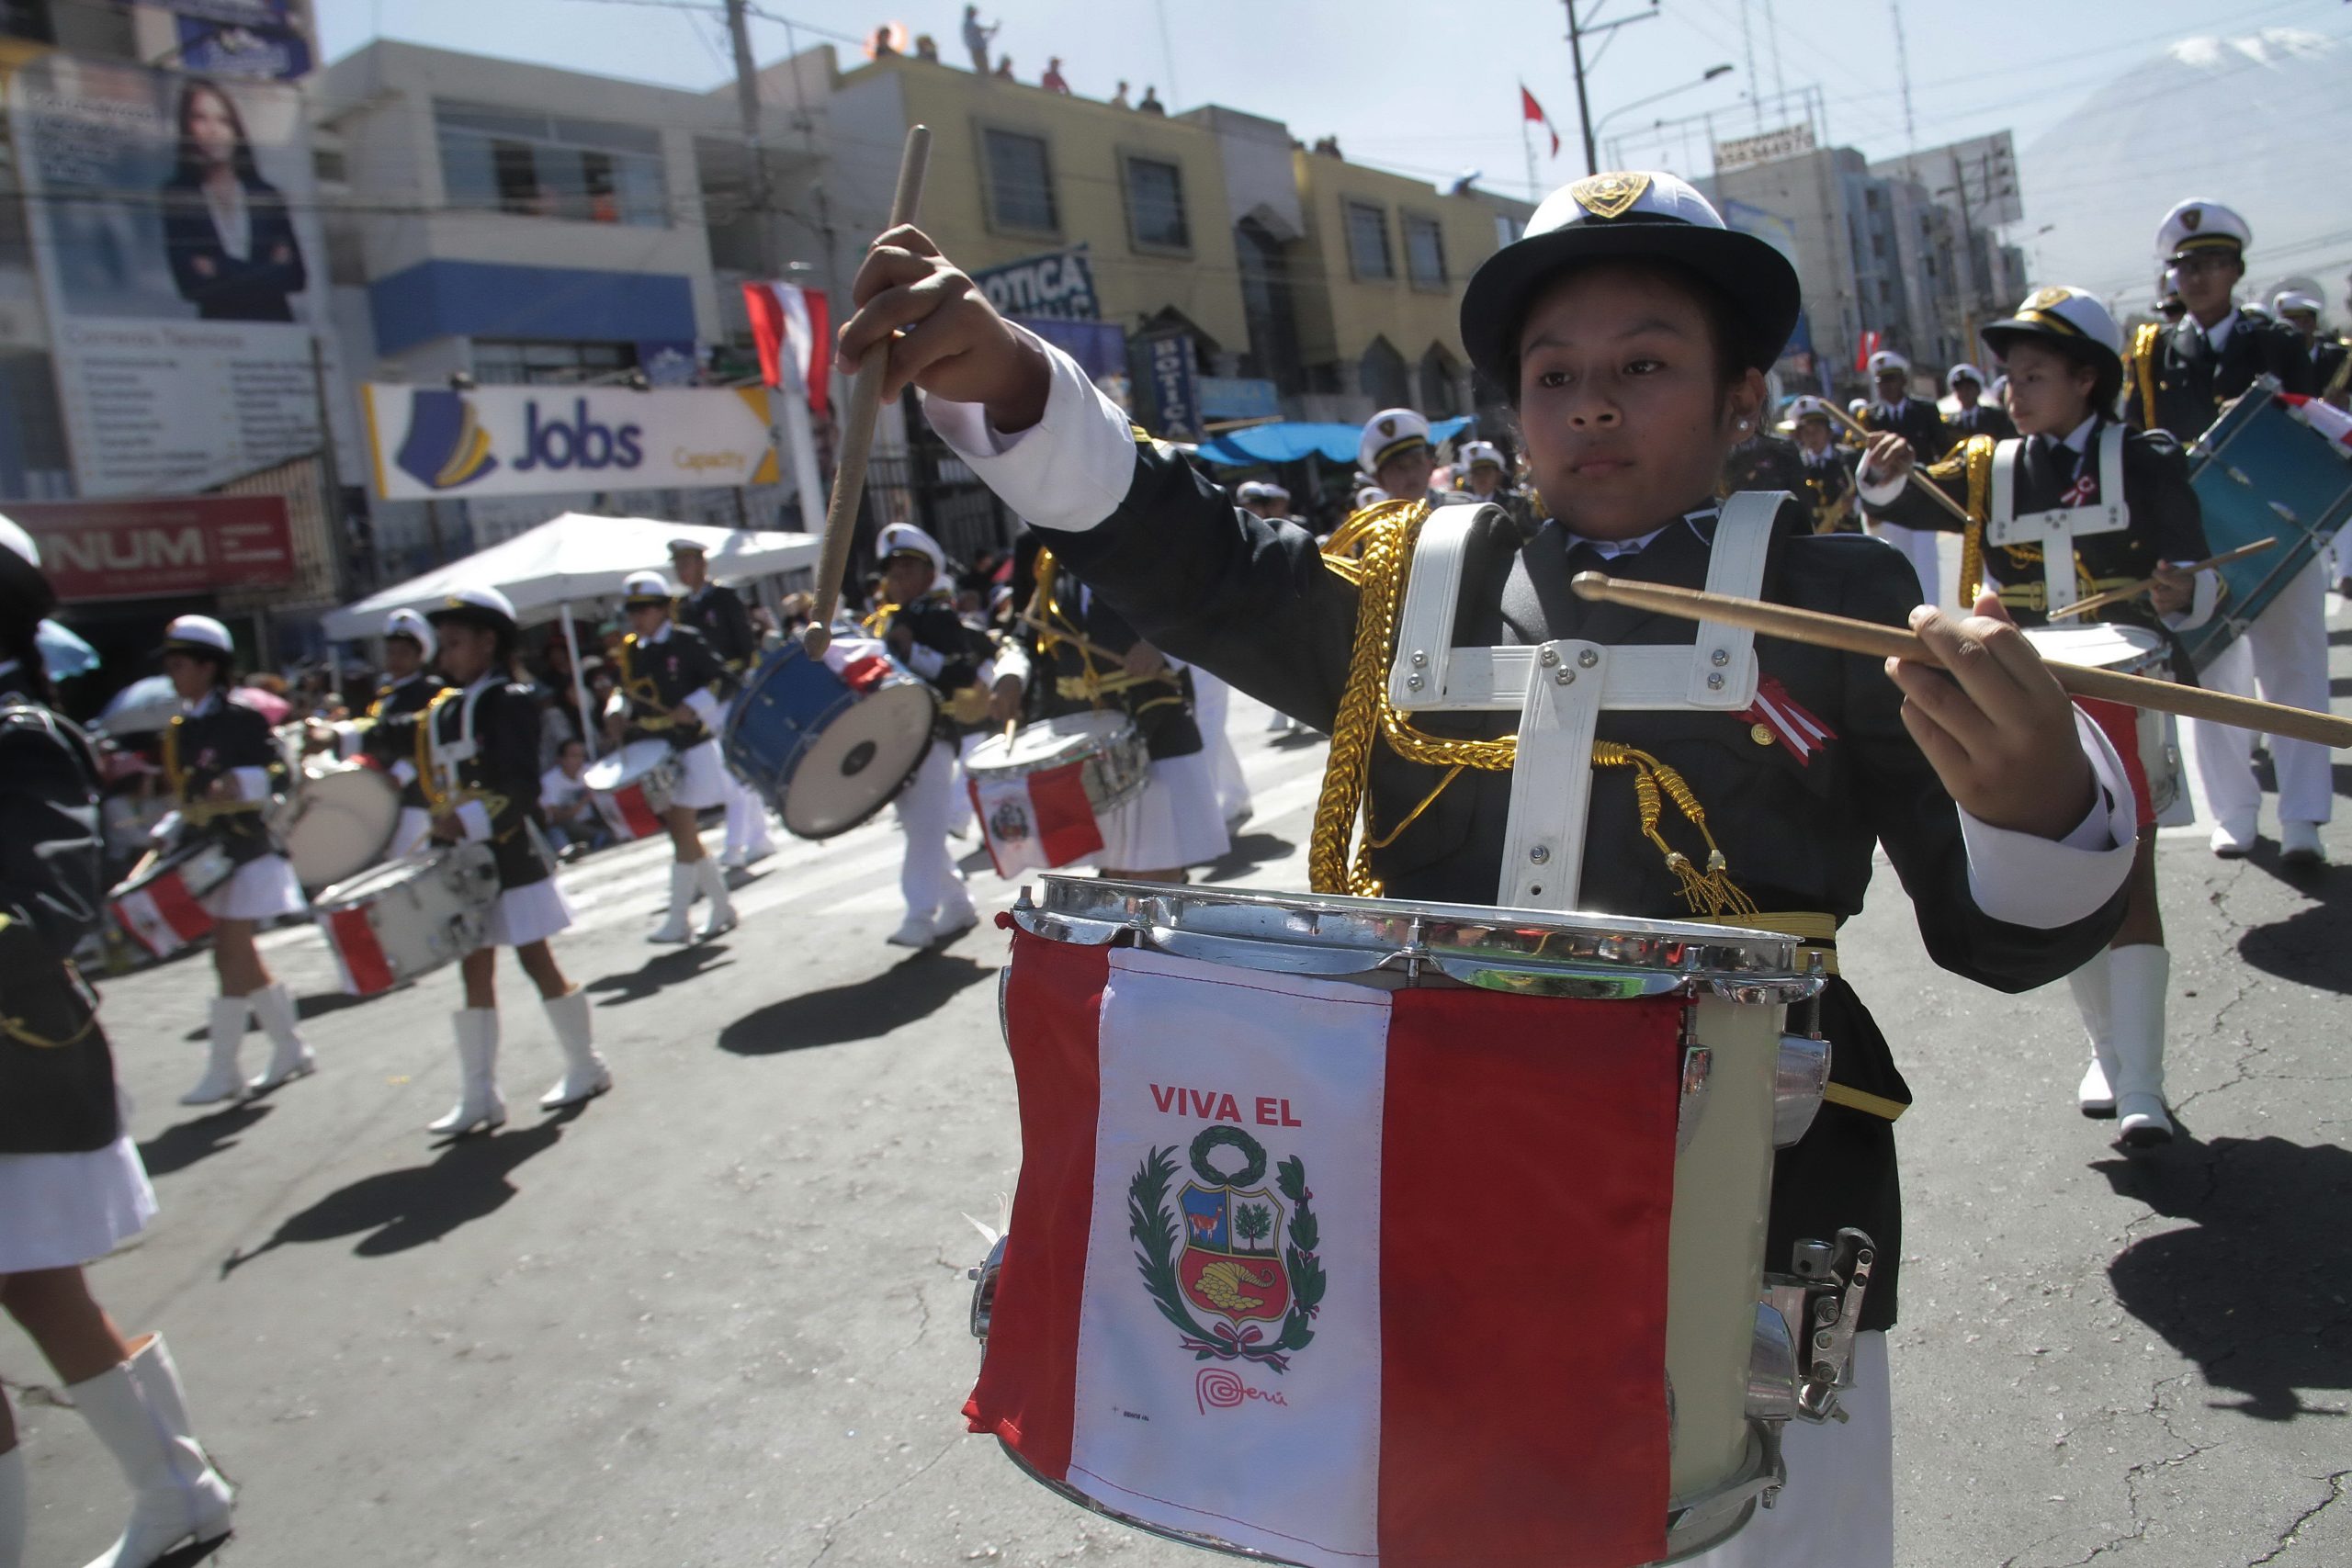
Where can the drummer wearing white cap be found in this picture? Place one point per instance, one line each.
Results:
(1972, 415)
(1394, 451)
(2331, 355)
(2182, 376)
(668, 678)
(1828, 470)
(1919, 422)
(718, 613)
(222, 761)
(386, 734)
(482, 782)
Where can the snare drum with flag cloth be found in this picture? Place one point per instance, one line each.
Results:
(1041, 794)
(2147, 741)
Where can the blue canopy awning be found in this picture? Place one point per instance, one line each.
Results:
(1290, 442)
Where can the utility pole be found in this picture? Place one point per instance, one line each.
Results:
(747, 104)
(1579, 30)
(1964, 274)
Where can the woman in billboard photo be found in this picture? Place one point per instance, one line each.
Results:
(226, 230)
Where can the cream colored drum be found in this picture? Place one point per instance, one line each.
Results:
(1043, 794)
(409, 917)
(638, 778)
(339, 820)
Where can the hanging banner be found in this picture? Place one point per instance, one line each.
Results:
(148, 549)
(174, 222)
(1174, 387)
(425, 442)
(1059, 285)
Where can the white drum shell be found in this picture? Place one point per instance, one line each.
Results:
(2130, 651)
(1117, 763)
(424, 912)
(340, 820)
(652, 766)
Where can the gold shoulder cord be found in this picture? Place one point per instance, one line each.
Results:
(437, 799)
(1387, 534)
(173, 774)
(1976, 461)
(24, 1034)
(2144, 365)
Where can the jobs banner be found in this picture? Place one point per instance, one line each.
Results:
(426, 441)
(176, 224)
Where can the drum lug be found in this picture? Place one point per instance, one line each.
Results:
(1698, 1067)
(1820, 1303)
(1799, 1079)
(983, 1278)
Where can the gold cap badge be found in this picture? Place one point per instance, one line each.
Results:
(2191, 216)
(2047, 298)
(1610, 194)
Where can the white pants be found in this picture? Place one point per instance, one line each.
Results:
(1837, 1510)
(1918, 547)
(927, 875)
(415, 825)
(2286, 651)
(1212, 698)
(747, 819)
(959, 799)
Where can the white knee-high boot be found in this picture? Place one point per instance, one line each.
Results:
(290, 1057)
(2137, 977)
(479, 1105)
(222, 1079)
(681, 897)
(138, 1411)
(710, 877)
(2096, 1097)
(584, 1074)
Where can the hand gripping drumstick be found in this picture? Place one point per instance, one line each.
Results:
(857, 426)
(1934, 492)
(2134, 590)
(1811, 626)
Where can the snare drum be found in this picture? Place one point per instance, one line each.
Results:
(828, 741)
(341, 820)
(2148, 741)
(408, 918)
(1041, 796)
(1357, 1227)
(638, 778)
(2263, 472)
(162, 908)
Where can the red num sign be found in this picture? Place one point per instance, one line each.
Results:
(155, 548)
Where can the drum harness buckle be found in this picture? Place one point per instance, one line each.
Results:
(1821, 1297)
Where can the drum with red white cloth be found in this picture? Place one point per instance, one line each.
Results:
(162, 907)
(1350, 1228)
(637, 778)
(1041, 794)
(2148, 741)
(408, 916)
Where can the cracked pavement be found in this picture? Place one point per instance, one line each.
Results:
(719, 1317)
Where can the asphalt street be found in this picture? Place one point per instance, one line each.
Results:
(719, 1316)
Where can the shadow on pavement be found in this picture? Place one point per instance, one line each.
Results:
(2308, 946)
(862, 1010)
(2252, 1292)
(2340, 778)
(183, 1144)
(1249, 851)
(671, 966)
(395, 1210)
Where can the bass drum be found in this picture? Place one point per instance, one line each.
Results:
(830, 741)
(341, 821)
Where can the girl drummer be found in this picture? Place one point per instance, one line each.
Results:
(1631, 330)
(222, 761)
(2063, 353)
(71, 1186)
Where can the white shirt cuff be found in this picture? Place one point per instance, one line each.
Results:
(924, 662)
(2028, 881)
(703, 706)
(2203, 600)
(617, 705)
(1012, 659)
(252, 783)
(1878, 491)
(404, 772)
(474, 816)
(167, 825)
(1070, 470)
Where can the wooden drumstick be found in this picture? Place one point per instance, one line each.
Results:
(1792, 625)
(2134, 590)
(857, 426)
(1934, 492)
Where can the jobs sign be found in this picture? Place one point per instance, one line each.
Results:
(426, 441)
(158, 548)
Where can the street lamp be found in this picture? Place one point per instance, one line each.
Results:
(1712, 72)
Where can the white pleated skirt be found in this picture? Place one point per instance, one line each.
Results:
(1174, 822)
(702, 777)
(62, 1211)
(526, 915)
(262, 889)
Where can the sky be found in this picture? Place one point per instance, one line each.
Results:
(1419, 89)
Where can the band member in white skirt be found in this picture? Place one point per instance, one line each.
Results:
(71, 1187)
(667, 692)
(222, 762)
(483, 786)
(387, 734)
(718, 614)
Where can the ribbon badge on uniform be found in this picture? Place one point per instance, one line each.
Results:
(2082, 492)
(1776, 716)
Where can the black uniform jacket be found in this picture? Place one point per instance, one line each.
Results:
(201, 747)
(1984, 419)
(2193, 383)
(1826, 484)
(56, 1074)
(389, 733)
(1918, 421)
(1162, 708)
(933, 623)
(503, 774)
(719, 617)
(1254, 603)
(2167, 524)
(659, 676)
(1763, 462)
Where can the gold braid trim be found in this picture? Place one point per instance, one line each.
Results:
(437, 799)
(1976, 458)
(1388, 533)
(2143, 367)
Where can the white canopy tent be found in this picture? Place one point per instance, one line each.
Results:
(575, 557)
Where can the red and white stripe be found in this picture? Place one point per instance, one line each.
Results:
(1790, 723)
(636, 813)
(1490, 1178)
(352, 937)
(163, 916)
(792, 331)
(1036, 821)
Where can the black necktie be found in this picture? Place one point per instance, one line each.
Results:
(2062, 460)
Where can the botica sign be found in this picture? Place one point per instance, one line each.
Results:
(429, 442)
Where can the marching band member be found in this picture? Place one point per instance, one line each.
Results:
(923, 632)
(1264, 498)
(387, 735)
(1486, 480)
(2064, 354)
(1975, 416)
(71, 1186)
(1761, 460)
(482, 750)
(1918, 422)
(221, 760)
(2182, 376)
(2331, 355)
(665, 692)
(1829, 477)
(1394, 453)
(717, 613)
(1631, 329)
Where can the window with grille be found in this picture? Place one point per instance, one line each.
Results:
(1020, 181)
(1368, 255)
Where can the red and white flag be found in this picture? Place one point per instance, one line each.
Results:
(2325, 418)
(163, 916)
(1872, 341)
(1529, 109)
(792, 327)
(1036, 821)
(1342, 1275)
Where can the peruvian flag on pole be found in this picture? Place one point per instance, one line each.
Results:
(1342, 1275)
(1036, 821)
(1529, 109)
(791, 326)
(1872, 341)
